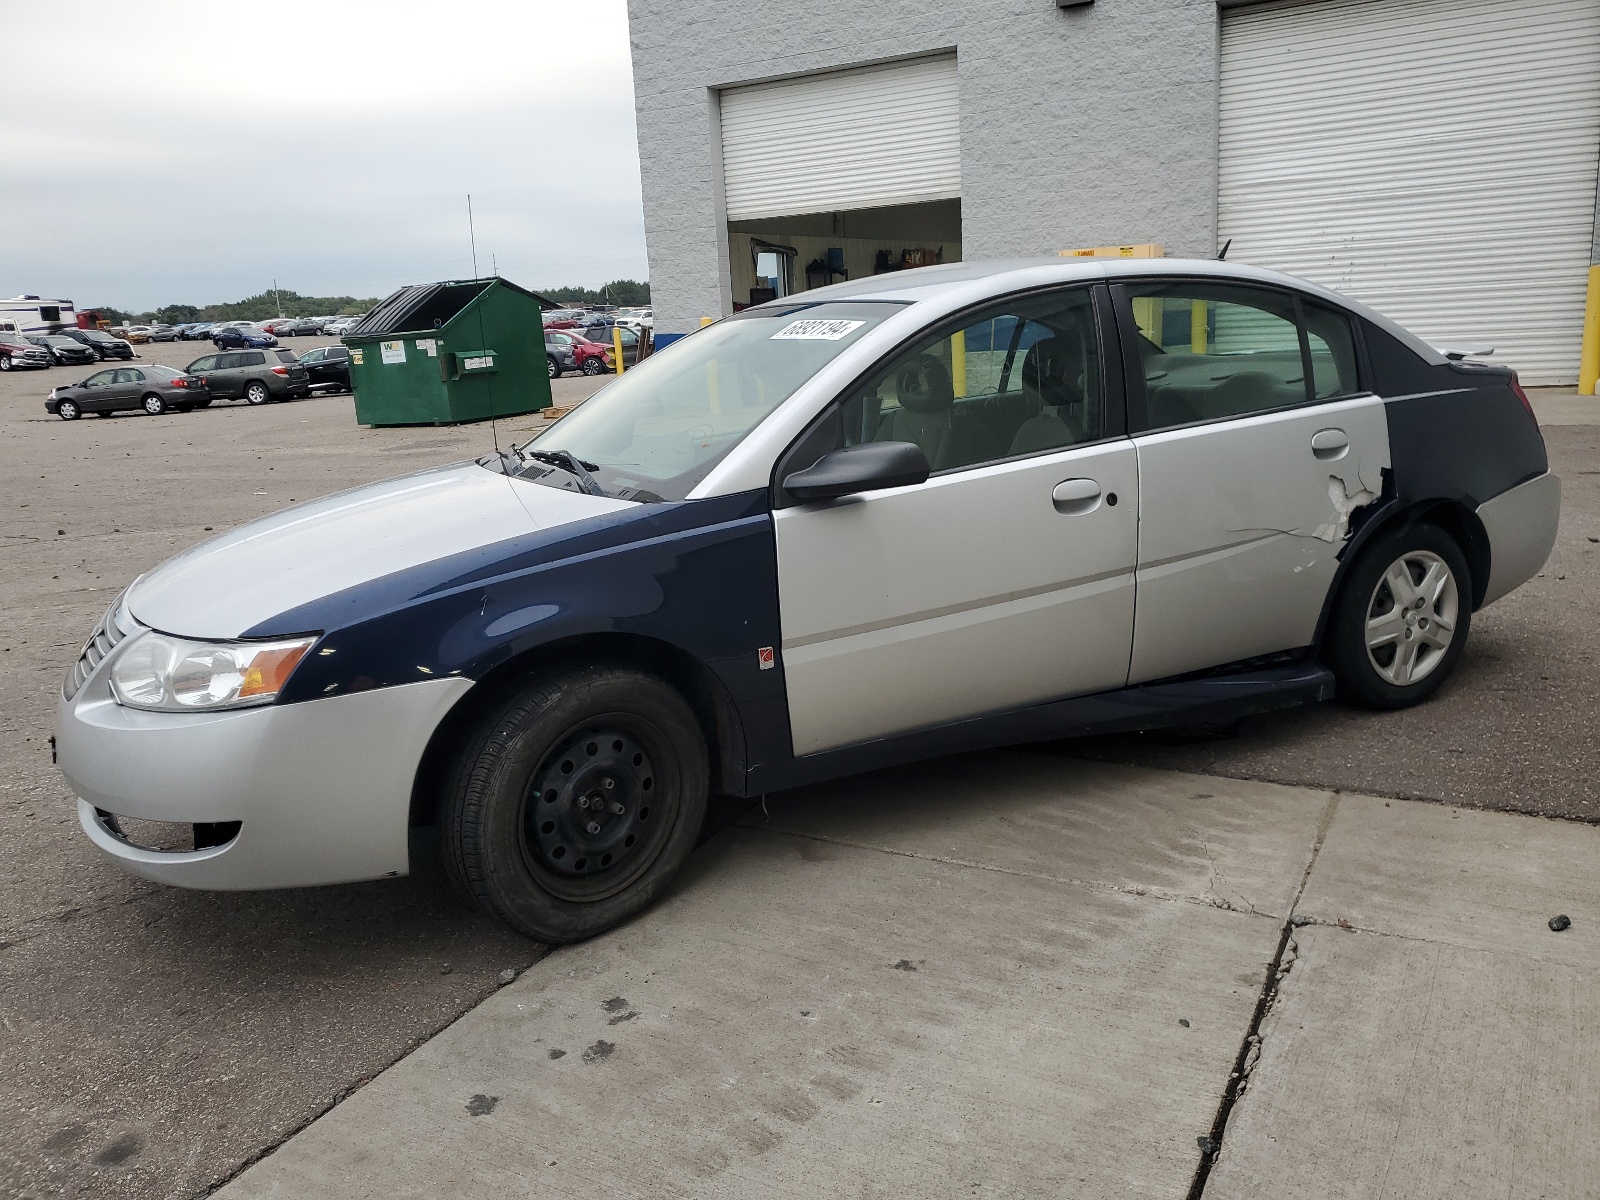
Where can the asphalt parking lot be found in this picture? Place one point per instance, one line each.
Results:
(156, 1040)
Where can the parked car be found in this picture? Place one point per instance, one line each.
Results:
(242, 335)
(327, 367)
(589, 357)
(199, 331)
(305, 327)
(163, 333)
(64, 351)
(810, 540)
(22, 356)
(563, 318)
(152, 389)
(559, 355)
(339, 326)
(253, 375)
(136, 334)
(103, 344)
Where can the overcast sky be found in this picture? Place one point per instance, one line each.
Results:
(191, 151)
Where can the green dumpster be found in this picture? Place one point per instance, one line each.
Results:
(444, 353)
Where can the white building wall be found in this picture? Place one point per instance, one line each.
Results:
(1079, 127)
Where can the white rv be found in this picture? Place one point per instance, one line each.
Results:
(30, 315)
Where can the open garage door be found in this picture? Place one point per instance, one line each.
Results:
(856, 139)
(1434, 158)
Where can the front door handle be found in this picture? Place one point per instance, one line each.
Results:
(1076, 496)
(1329, 443)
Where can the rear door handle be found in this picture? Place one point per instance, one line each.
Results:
(1075, 496)
(1329, 443)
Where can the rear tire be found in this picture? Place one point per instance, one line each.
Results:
(575, 802)
(153, 404)
(1402, 620)
(256, 393)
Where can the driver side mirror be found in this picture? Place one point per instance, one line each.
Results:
(869, 467)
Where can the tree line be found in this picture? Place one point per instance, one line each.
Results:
(626, 293)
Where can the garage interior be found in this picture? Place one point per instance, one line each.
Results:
(778, 256)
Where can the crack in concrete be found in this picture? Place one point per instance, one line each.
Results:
(1250, 1049)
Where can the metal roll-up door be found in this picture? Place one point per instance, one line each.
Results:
(1434, 158)
(862, 138)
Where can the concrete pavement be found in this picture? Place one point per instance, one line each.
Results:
(1013, 974)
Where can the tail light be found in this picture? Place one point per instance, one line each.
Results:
(1516, 387)
(180, 382)
(280, 370)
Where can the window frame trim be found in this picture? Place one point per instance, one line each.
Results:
(1114, 393)
(1133, 367)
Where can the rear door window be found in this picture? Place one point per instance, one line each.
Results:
(228, 362)
(1211, 351)
(253, 358)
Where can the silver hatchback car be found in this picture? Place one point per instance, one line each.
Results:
(948, 508)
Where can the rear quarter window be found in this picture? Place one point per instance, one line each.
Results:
(285, 356)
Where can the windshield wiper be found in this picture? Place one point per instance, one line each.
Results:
(572, 465)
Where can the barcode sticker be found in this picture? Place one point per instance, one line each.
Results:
(816, 331)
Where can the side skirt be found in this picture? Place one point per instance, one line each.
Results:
(1217, 699)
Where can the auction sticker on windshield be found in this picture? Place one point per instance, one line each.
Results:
(816, 331)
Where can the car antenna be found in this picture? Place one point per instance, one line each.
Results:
(1223, 253)
(483, 338)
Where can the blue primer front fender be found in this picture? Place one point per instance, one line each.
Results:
(699, 575)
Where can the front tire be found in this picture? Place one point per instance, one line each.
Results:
(257, 393)
(67, 410)
(1403, 618)
(576, 801)
(594, 366)
(555, 368)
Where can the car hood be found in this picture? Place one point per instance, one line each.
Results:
(241, 580)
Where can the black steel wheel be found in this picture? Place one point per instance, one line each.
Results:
(576, 801)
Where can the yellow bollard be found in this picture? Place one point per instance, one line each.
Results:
(1589, 357)
(616, 345)
(958, 362)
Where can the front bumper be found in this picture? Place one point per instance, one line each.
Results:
(322, 789)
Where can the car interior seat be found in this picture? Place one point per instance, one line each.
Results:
(1055, 376)
(922, 387)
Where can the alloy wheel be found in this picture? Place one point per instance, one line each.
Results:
(1411, 617)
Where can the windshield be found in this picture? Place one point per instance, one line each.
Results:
(656, 431)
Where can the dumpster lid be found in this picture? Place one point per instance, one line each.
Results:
(421, 307)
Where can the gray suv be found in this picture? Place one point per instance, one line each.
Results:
(253, 375)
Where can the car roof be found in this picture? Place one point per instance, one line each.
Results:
(1000, 276)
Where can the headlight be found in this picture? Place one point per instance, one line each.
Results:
(170, 674)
